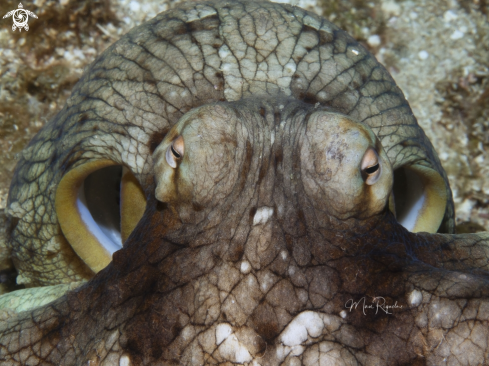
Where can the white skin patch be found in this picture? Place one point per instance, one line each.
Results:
(415, 298)
(224, 52)
(267, 282)
(262, 215)
(223, 331)
(245, 267)
(343, 314)
(290, 68)
(306, 323)
(322, 95)
(124, 361)
(234, 351)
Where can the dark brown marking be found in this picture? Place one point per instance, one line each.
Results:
(325, 38)
(180, 29)
(265, 323)
(263, 171)
(279, 156)
(236, 251)
(378, 146)
(252, 214)
(83, 118)
(309, 98)
(246, 165)
(308, 29)
(13, 221)
(301, 217)
(149, 79)
(289, 243)
(277, 117)
(156, 139)
(197, 207)
(205, 24)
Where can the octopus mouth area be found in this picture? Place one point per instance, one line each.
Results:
(291, 304)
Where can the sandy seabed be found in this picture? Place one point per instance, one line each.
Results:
(436, 50)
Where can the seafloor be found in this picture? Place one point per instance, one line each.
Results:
(437, 50)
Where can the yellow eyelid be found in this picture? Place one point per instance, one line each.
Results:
(85, 233)
(83, 242)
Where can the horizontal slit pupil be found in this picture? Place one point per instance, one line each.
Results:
(372, 169)
(177, 155)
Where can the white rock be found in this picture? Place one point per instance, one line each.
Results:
(457, 35)
(423, 55)
(391, 8)
(374, 40)
(134, 6)
(449, 16)
(444, 156)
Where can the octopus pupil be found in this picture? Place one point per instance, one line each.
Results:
(372, 169)
(177, 155)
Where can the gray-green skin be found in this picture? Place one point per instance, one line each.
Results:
(199, 281)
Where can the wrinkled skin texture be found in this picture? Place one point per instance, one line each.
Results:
(200, 281)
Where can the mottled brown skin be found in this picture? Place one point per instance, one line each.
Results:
(181, 277)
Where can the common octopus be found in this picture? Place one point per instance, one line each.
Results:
(239, 182)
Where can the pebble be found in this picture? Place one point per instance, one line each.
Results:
(374, 40)
(391, 8)
(444, 156)
(449, 15)
(423, 55)
(457, 35)
(134, 6)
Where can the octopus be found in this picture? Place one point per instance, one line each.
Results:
(239, 182)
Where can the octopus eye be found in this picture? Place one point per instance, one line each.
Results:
(175, 151)
(370, 167)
